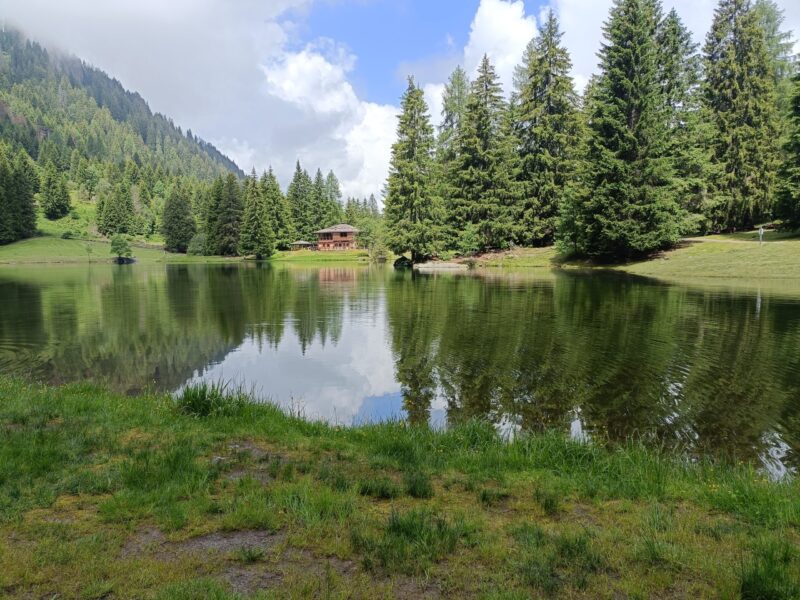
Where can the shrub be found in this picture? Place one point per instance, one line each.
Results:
(197, 245)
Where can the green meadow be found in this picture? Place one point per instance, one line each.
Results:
(210, 495)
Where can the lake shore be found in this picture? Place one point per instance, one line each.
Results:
(214, 496)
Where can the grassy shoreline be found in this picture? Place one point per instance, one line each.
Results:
(103, 495)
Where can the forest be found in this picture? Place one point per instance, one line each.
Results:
(667, 139)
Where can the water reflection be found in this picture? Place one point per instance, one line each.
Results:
(602, 357)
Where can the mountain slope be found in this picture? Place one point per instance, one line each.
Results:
(60, 109)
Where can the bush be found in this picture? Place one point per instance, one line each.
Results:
(197, 245)
(67, 235)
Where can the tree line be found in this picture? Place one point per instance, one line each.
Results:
(665, 140)
(254, 217)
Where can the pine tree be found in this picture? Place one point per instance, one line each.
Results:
(55, 197)
(780, 51)
(117, 211)
(548, 127)
(223, 235)
(688, 132)
(788, 204)
(333, 200)
(740, 97)
(278, 212)
(413, 211)
(299, 196)
(630, 208)
(256, 238)
(319, 202)
(485, 191)
(19, 189)
(178, 224)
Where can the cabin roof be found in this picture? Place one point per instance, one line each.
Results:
(340, 228)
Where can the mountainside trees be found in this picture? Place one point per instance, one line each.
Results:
(55, 196)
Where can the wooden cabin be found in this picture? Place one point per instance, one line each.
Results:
(338, 237)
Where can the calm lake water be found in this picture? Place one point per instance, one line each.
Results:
(599, 356)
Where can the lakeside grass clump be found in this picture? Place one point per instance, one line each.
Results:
(207, 494)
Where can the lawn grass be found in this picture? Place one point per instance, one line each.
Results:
(719, 257)
(207, 496)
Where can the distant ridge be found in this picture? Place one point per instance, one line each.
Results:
(54, 104)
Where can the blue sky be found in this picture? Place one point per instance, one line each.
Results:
(273, 81)
(387, 36)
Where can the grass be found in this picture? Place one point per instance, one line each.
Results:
(207, 495)
(720, 257)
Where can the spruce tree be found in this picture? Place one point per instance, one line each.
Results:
(7, 213)
(548, 127)
(788, 204)
(333, 200)
(178, 224)
(413, 211)
(689, 135)
(54, 197)
(19, 189)
(278, 213)
(319, 202)
(117, 211)
(223, 235)
(256, 238)
(780, 51)
(299, 196)
(740, 97)
(485, 192)
(629, 208)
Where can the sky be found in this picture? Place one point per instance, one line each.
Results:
(273, 81)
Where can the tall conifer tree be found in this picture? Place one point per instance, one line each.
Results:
(788, 205)
(299, 196)
(688, 135)
(278, 213)
(548, 127)
(178, 224)
(740, 96)
(55, 197)
(223, 234)
(412, 209)
(630, 208)
(485, 192)
(256, 237)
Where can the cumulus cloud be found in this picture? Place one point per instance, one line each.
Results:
(232, 73)
(500, 29)
(582, 20)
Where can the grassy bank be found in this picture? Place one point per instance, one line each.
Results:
(106, 496)
(737, 256)
(54, 250)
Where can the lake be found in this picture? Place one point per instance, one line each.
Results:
(601, 356)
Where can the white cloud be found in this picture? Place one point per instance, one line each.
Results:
(582, 20)
(433, 97)
(230, 72)
(500, 29)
